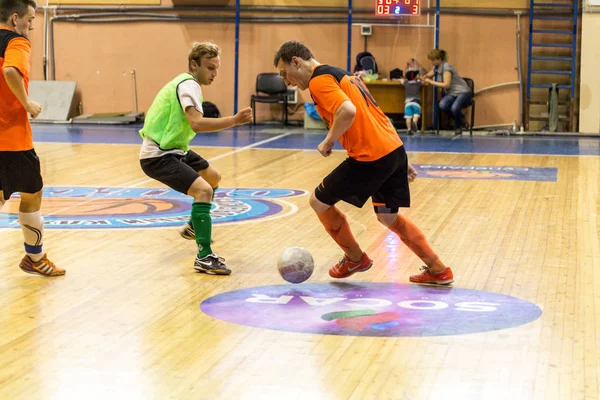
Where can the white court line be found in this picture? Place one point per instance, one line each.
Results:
(251, 146)
(138, 182)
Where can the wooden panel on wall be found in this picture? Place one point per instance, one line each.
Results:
(201, 3)
(290, 3)
(590, 82)
(269, 3)
(101, 2)
(511, 4)
(296, 3)
(105, 82)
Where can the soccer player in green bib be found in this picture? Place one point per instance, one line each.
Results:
(171, 123)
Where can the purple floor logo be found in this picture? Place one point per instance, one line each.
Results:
(487, 172)
(371, 309)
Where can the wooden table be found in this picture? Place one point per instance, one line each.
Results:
(390, 97)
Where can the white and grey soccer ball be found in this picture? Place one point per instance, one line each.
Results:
(295, 265)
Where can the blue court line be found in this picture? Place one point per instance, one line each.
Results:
(304, 140)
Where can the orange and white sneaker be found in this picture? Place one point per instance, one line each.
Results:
(344, 268)
(443, 278)
(43, 267)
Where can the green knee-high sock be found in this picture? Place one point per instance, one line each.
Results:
(211, 199)
(202, 224)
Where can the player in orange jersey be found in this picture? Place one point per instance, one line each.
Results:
(19, 164)
(377, 165)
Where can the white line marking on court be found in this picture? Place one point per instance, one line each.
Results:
(250, 146)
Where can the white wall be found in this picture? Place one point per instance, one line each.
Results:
(589, 121)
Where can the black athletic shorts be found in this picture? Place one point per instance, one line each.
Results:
(386, 180)
(174, 170)
(20, 172)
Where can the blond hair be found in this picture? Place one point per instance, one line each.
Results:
(438, 55)
(202, 50)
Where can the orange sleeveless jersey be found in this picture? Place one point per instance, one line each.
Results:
(371, 135)
(15, 129)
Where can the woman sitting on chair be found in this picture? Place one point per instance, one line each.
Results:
(457, 93)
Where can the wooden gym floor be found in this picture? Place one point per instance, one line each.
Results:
(126, 322)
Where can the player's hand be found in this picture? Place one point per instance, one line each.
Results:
(412, 174)
(325, 148)
(33, 108)
(243, 117)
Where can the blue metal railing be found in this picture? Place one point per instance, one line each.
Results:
(574, 48)
(552, 12)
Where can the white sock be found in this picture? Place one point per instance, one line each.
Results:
(32, 225)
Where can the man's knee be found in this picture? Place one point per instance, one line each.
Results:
(201, 191)
(215, 177)
(30, 202)
(317, 204)
(387, 217)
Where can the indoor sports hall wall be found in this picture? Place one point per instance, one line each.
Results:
(590, 65)
(100, 57)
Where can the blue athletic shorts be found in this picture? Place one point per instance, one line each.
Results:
(412, 110)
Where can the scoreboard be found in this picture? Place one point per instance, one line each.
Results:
(398, 7)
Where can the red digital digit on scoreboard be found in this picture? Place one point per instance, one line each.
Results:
(398, 7)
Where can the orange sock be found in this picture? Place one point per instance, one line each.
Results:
(337, 226)
(414, 238)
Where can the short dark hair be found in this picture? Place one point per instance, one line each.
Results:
(291, 49)
(9, 7)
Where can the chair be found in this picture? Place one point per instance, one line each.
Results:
(365, 62)
(471, 84)
(275, 92)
